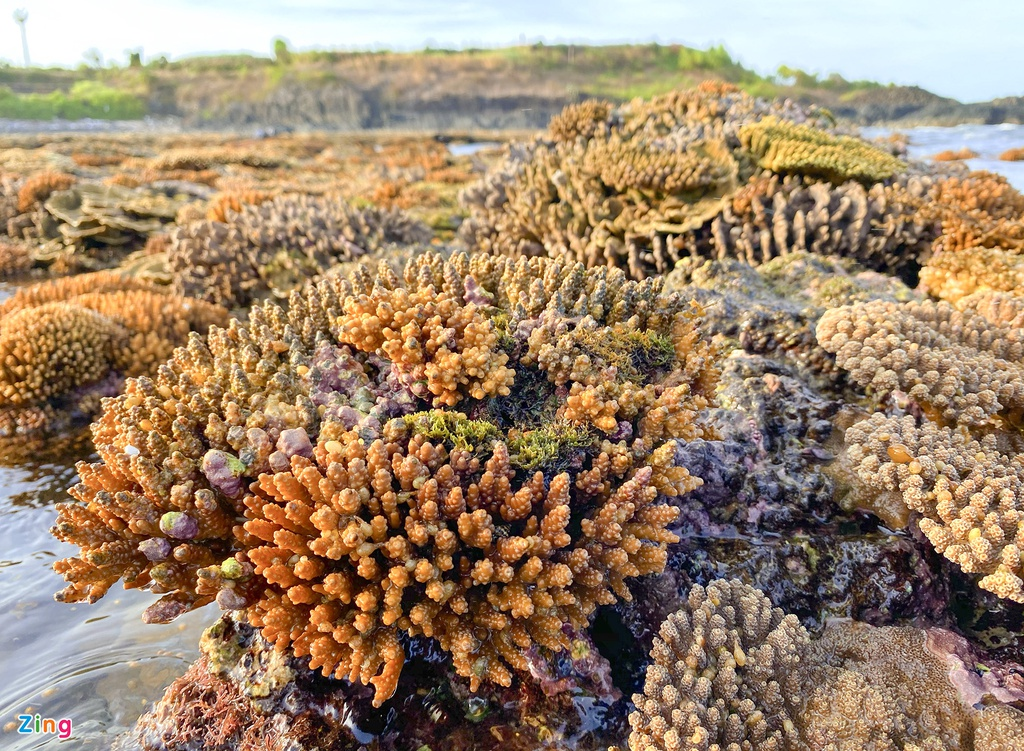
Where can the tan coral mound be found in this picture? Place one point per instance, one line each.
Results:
(969, 493)
(15, 259)
(274, 246)
(730, 673)
(368, 511)
(961, 365)
(724, 675)
(785, 147)
(954, 274)
(708, 171)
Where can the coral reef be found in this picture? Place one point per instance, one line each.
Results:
(274, 245)
(956, 458)
(67, 342)
(785, 147)
(724, 675)
(963, 366)
(955, 274)
(709, 172)
(40, 186)
(969, 493)
(367, 515)
(731, 672)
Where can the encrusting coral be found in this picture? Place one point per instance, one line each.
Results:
(710, 172)
(731, 673)
(304, 469)
(273, 244)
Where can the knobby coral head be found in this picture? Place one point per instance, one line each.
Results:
(479, 452)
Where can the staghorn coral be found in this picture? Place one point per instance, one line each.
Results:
(954, 274)
(655, 181)
(724, 675)
(786, 147)
(366, 520)
(732, 673)
(969, 493)
(274, 246)
(963, 367)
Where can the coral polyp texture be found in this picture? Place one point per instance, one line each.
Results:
(954, 274)
(478, 452)
(731, 673)
(724, 675)
(969, 493)
(783, 147)
(961, 365)
(272, 244)
(64, 337)
(708, 172)
(959, 461)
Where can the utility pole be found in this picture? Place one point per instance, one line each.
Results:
(20, 16)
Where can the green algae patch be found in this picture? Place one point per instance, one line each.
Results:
(454, 429)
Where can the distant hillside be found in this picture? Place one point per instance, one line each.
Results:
(509, 88)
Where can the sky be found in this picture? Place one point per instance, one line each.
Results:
(967, 50)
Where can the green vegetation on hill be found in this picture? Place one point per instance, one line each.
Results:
(210, 84)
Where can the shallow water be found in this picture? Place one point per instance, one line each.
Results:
(988, 141)
(99, 664)
(96, 664)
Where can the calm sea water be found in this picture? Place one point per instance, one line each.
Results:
(988, 141)
(99, 664)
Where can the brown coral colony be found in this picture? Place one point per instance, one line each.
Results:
(343, 505)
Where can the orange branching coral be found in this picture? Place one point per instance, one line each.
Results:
(980, 210)
(969, 493)
(1012, 155)
(69, 334)
(40, 186)
(455, 349)
(303, 468)
(217, 210)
